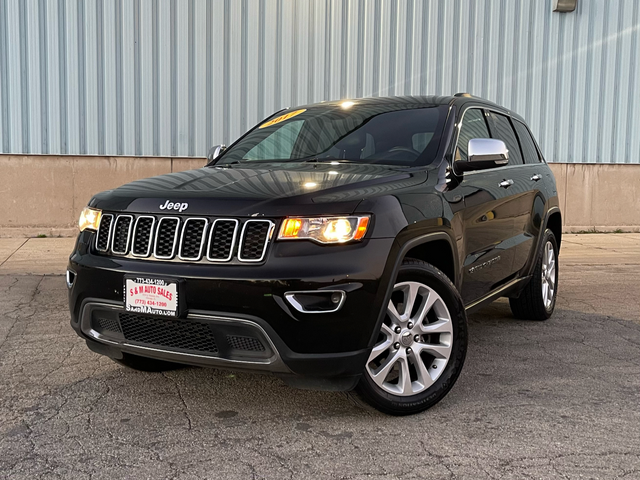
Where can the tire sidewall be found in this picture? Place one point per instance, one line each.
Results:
(415, 270)
(549, 237)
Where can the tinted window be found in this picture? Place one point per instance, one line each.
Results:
(501, 129)
(473, 126)
(277, 145)
(528, 145)
(383, 133)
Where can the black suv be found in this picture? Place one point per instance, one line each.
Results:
(338, 245)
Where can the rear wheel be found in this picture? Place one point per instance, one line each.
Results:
(145, 364)
(538, 299)
(422, 343)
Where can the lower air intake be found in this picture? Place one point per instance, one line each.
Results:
(248, 344)
(168, 334)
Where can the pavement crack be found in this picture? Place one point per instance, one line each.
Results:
(181, 397)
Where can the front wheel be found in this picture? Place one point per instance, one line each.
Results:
(421, 346)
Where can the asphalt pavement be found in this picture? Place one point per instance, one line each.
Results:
(555, 399)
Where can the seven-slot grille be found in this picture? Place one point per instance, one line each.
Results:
(189, 239)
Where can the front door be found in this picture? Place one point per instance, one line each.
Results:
(490, 209)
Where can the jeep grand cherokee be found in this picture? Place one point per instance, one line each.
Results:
(338, 246)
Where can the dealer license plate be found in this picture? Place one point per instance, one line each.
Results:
(152, 296)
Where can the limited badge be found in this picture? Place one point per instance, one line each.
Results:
(282, 118)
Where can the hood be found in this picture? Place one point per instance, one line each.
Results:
(260, 190)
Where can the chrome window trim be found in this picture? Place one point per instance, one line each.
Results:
(233, 239)
(202, 241)
(264, 247)
(151, 236)
(105, 215)
(290, 296)
(175, 239)
(113, 239)
(488, 109)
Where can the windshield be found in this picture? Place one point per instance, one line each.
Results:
(374, 133)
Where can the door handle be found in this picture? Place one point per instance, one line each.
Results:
(506, 183)
(536, 177)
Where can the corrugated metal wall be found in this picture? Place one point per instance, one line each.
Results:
(173, 77)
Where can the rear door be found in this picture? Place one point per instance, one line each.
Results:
(488, 215)
(534, 171)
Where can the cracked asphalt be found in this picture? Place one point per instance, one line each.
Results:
(557, 399)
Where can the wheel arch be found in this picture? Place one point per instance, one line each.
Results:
(437, 252)
(554, 223)
(418, 245)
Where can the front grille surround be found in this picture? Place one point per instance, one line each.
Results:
(116, 239)
(248, 223)
(203, 237)
(187, 239)
(102, 242)
(174, 241)
(136, 234)
(212, 231)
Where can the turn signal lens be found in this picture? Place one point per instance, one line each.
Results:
(89, 219)
(324, 229)
(291, 227)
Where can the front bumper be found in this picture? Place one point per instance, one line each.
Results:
(320, 350)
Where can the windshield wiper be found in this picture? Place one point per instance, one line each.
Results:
(228, 165)
(327, 160)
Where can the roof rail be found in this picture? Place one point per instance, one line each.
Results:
(463, 94)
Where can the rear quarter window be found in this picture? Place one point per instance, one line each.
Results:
(501, 129)
(529, 149)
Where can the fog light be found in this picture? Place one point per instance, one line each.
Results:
(317, 301)
(71, 277)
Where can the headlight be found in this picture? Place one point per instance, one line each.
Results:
(324, 229)
(89, 219)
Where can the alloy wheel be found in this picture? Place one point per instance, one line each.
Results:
(548, 275)
(414, 345)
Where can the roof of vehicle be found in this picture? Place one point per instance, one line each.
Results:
(459, 99)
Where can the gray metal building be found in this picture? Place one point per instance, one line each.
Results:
(173, 77)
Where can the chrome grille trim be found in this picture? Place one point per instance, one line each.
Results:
(151, 236)
(175, 239)
(233, 239)
(202, 240)
(266, 241)
(113, 235)
(108, 234)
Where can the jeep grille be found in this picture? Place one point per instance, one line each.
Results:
(190, 239)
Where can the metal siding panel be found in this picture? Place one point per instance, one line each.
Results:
(146, 76)
(165, 109)
(51, 118)
(200, 108)
(91, 77)
(155, 77)
(109, 107)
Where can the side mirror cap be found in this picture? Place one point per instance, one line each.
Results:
(214, 152)
(484, 153)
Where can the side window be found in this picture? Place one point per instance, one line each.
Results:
(473, 126)
(279, 145)
(528, 145)
(502, 130)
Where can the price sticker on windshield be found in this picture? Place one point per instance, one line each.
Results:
(282, 118)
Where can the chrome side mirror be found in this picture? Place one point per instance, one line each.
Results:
(484, 153)
(214, 152)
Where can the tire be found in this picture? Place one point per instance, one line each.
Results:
(144, 364)
(533, 304)
(410, 371)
